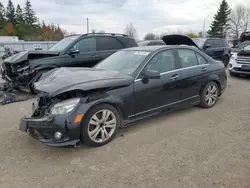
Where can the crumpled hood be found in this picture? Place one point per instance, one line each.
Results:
(26, 55)
(61, 80)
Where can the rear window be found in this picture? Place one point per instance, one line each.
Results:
(199, 42)
(218, 43)
(108, 43)
(225, 43)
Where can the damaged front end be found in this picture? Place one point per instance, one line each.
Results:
(55, 128)
(16, 70)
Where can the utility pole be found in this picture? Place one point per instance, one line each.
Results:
(87, 25)
(204, 23)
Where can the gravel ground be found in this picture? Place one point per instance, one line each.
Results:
(191, 148)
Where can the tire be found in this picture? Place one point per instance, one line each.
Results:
(225, 60)
(101, 132)
(35, 79)
(207, 94)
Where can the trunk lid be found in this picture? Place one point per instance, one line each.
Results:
(178, 40)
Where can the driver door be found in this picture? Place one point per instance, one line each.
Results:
(88, 56)
(154, 94)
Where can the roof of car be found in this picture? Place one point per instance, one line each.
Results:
(157, 47)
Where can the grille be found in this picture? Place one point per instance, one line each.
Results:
(243, 60)
(240, 69)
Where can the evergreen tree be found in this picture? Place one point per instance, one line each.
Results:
(2, 12)
(10, 12)
(29, 14)
(220, 24)
(2, 17)
(19, 15)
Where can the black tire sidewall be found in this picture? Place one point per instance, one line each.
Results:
(84, 125)
(203, 95)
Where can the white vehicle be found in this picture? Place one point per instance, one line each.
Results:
(240, 60)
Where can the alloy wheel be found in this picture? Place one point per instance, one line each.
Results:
(102, 126)
(211, 95)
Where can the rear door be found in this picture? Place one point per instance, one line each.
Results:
(194, 69)
(88, 55)
(218, 49)
(209, 50)
(107, 45)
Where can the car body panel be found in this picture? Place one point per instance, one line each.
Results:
(62, 80)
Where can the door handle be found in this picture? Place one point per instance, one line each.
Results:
(203, 69)
(95, 56)
(174, 77)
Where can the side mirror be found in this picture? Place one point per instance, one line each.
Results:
(207, 46)
(73, 52)
(152, 74)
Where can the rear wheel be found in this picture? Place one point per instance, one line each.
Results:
(209, 95)
(100, 125)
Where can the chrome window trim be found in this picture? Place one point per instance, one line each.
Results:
(139, 79)
(164, 106)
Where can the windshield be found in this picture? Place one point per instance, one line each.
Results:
(199, 42)
(123, 61)
(61, 45)
(246, 48)
(143, 43)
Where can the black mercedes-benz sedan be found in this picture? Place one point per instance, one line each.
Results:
(89, 105)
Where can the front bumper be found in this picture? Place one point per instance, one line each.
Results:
(238, 68)
(240, 71)
(43, 129)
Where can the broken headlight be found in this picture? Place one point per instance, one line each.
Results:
(64, 107)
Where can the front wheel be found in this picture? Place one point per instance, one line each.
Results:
(209, 95)
(100, 125)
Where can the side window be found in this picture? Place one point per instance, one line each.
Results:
(210, 42)
(86, 45)
(201, 60)
(225, 44)
(162, 62)
(187, 58)
(217, 43)
(109, 43)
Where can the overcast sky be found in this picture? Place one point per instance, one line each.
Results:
(112, 15)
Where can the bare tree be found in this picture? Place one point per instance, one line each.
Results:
(239, 20)
(130, 31)
(150, 36)
(93, 31)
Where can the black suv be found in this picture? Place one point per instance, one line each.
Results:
(216, 48)
(25, 68)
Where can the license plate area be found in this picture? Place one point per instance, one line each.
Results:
(245, 67)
